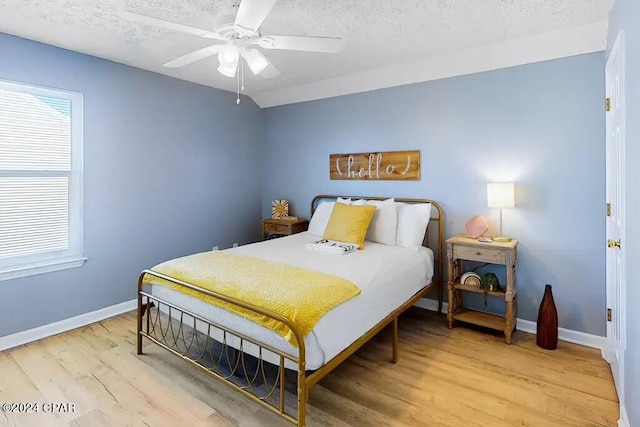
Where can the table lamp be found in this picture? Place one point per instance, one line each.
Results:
(501, 195)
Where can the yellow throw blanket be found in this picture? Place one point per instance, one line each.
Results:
(301, 295)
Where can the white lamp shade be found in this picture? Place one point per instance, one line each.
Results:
(501, 195)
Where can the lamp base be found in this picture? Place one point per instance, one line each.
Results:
(501, 239)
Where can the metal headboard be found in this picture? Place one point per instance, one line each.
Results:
(436, 223)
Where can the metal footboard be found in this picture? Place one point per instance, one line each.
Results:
(223, 353)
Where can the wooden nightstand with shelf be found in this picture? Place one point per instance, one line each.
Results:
(459, 249)
(281, 227)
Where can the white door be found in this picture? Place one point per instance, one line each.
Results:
(615, 130)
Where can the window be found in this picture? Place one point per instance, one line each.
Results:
(40, 180)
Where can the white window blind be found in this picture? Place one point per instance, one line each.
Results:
(40, 180)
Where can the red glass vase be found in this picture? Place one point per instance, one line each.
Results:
(547, 336)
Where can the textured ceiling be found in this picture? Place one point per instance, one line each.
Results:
(377, 33)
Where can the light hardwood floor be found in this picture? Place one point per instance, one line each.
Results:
(457, 377)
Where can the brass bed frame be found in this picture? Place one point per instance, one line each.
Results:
(171, 331)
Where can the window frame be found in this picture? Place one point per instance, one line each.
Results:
(72, 257)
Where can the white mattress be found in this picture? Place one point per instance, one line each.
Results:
(386, 275)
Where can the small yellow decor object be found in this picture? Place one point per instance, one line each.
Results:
(279, 209)
(303, 296)
(389, 165)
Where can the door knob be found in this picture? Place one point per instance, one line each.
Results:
(613, 243)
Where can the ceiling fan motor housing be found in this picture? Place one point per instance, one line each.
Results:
(225, 26)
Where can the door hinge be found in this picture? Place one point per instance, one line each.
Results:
(607, 104)
(608, 209)
(609, 315)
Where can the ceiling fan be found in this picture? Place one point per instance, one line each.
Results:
(240, 36)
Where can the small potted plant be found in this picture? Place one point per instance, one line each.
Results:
(489, 283)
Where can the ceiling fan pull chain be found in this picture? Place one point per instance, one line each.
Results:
(242, 72)
(238, 89)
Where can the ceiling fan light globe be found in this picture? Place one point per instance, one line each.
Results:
(228, 70)
(257, 70)
(256, 61)
(228, 56)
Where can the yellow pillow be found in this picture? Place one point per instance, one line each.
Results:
(349, 223)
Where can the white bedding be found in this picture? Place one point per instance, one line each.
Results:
(386, 275)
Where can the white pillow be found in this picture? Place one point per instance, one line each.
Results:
(345, 201)
(384, 222)
(320, 218)
(413, 220)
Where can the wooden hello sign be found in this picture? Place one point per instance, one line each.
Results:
(390, 165)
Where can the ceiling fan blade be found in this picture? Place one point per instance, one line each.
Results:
(195, 56)
(252, 13)
(307, 44)
(256, 60)
(161, 23)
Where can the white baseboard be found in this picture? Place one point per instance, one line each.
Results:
(624, 418)
(45, 331)
(568, 335)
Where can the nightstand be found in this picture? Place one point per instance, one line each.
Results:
(459, 249)
(280, 227)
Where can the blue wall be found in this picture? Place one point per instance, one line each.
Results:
(170, 169)
(159, 182)
(539, 125)
(626, 16)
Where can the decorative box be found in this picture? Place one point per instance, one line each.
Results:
(279, 209)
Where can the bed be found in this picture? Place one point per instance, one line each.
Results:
(262, 364)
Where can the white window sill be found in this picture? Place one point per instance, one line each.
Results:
(41, 267)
